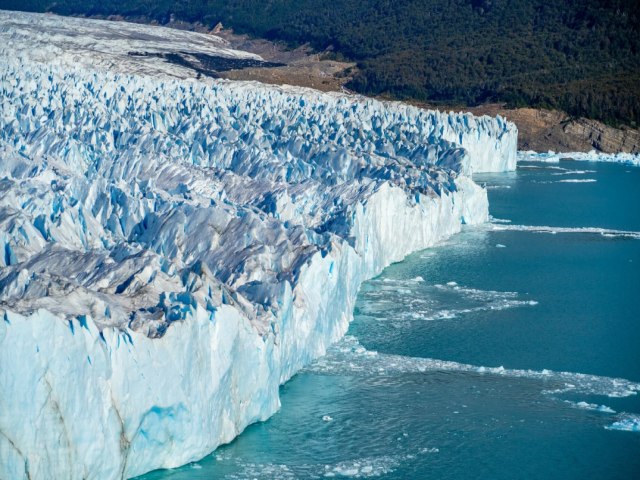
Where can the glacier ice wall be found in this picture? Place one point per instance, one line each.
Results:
(171, 250)
(372, 127)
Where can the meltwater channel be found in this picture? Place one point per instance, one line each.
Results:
(511, 351)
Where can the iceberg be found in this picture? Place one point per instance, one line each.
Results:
(627, 423)
(173, 249)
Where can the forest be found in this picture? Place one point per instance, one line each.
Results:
(579, 56)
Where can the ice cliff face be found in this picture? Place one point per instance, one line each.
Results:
(171, 250)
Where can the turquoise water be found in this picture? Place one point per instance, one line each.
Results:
(453, 366)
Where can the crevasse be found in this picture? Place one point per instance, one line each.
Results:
(174, 250)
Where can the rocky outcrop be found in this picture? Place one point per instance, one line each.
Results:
(543, 130)
(602, 137)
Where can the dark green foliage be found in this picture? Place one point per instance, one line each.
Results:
(582, 56)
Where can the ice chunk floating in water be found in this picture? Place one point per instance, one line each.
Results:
(395, 301)
(173, 250)
(348, 356)
(628, 423)
(605, 232)
(592, 156)
(590, 406)
(578, 180)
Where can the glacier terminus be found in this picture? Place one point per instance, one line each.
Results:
(173, 248)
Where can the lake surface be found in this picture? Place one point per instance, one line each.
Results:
(507, 352)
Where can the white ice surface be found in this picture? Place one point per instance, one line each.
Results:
(171, 250)
(105, 44)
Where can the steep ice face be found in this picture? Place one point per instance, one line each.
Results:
(173, 250)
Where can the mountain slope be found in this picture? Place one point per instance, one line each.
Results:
(582, 57)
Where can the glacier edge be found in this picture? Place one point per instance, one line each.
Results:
(174, 250)
(126, 404)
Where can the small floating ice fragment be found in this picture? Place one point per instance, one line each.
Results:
(590, 406)
(578, 180)
(630, 423)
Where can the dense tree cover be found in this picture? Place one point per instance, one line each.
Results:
(582, 56)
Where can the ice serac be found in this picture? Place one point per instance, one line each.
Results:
(172, 250)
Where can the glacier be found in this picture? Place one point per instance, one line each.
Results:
(175, 248)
